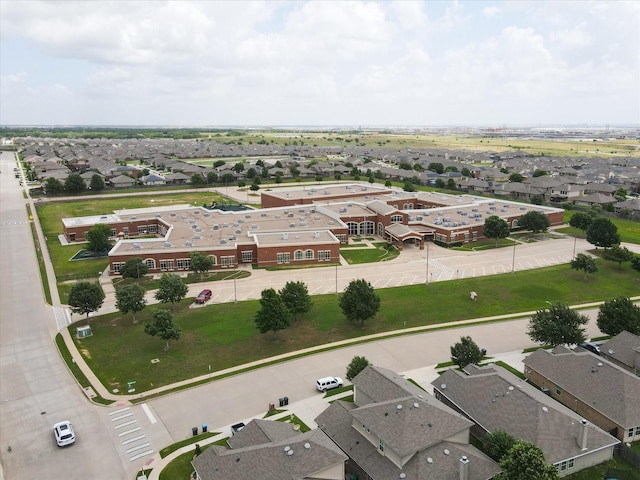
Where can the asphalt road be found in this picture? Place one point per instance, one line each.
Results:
(36, 389)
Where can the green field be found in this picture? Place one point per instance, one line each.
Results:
(224, 335)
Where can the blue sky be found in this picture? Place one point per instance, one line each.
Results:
(322, 63)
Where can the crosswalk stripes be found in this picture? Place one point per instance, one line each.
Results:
(133, 440)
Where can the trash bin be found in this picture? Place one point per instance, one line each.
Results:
(483, 351)
(286, 400)
(281, 402)
(194, 430)
(204, 428)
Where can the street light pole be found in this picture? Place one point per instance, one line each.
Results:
(575, 239)
(513, 260)
(426, 279)
(336, 278)
(235, 290)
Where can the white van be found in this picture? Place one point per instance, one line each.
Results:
(327, 383)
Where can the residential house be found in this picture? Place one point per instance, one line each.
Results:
(152, 179)
(623, 350)
(495, 399)
(271, 450)
(395, 430)
(596, 199)
(596, 389)
(122, 181)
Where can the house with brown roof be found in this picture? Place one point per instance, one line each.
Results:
(623, 350)
(271, 450)
(395, 430)
(495, 399)
(596, 389)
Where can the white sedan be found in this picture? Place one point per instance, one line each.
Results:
(63, 431)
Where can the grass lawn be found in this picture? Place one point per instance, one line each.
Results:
(225, 335)
(629, 230)
(382, 253)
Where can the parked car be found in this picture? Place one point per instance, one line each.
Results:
(327, 383)
(592, 347)
(203, 296)
(63, 431)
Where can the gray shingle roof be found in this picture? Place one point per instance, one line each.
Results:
(624, 347)
(611, 390)
(498, 400)
(312, 451)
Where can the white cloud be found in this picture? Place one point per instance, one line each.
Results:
(491, 11)
(268, 62)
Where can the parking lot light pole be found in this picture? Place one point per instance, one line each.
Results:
(426, 279)
(513, 260)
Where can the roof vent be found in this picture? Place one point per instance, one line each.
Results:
(287, 448)
(307, 445)
(545, 409)
(167, 244)
(188, 243)
(443, 386)
(415, 404)
(289, 452)
(399, 406)
(429, 460)
(136, 246)
(446, 451)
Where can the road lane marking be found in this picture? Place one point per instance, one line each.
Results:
(140, 455)
(115, 419)
(130, 431)
(133, 439)
(147, 410)
(139, 447)
(125, 424)
(119, 411)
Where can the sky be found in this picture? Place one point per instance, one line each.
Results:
(319, 63)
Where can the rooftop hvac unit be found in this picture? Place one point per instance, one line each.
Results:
(292, 225)
(196, 237)
(232, 237)
(225, 225)
(216, 227)
(134, 218)
(238, 231)
(172, 214)
(206, 214)
(223, 241)
(136, 246)
(254, 226)
(285, 236)
(167, 244)
(183, 217)
(263, 214)
(248, 215)
(316, 217)
(196, 212)
(188, 243)
(277, 217)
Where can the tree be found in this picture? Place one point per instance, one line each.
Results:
(534, 221)
(465, 352)
(238, 167)
(98, 237)
(295, 296)
(581, 220)
(218, 163)
(617, 315)
(86, 297)
(254, 186)
(515, 178)
(618, 254)
(620, 194)
(200, 263)
(603, 233)
(451, 184)
(130, 298)
(408, 186)
(273, 314)
(440, 183)
(251, 172)
(635, 263)
(356, 365)
(134, 268)
(465, 172)
(539, 173)
(97, 183)
(163, 327)
(197, 180)
(74, 183)
(558, 325)
(172, 289)
(212, 177)
(53, 185)
(436, 167)
(497, 444)
(525, 461)
(388, 184)
(585, 263)
(359, 302)
(496, 227)
(228, 178)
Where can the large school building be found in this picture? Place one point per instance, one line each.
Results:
(296, 226)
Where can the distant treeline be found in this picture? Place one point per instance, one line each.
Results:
(140, 132)
(112, 132)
